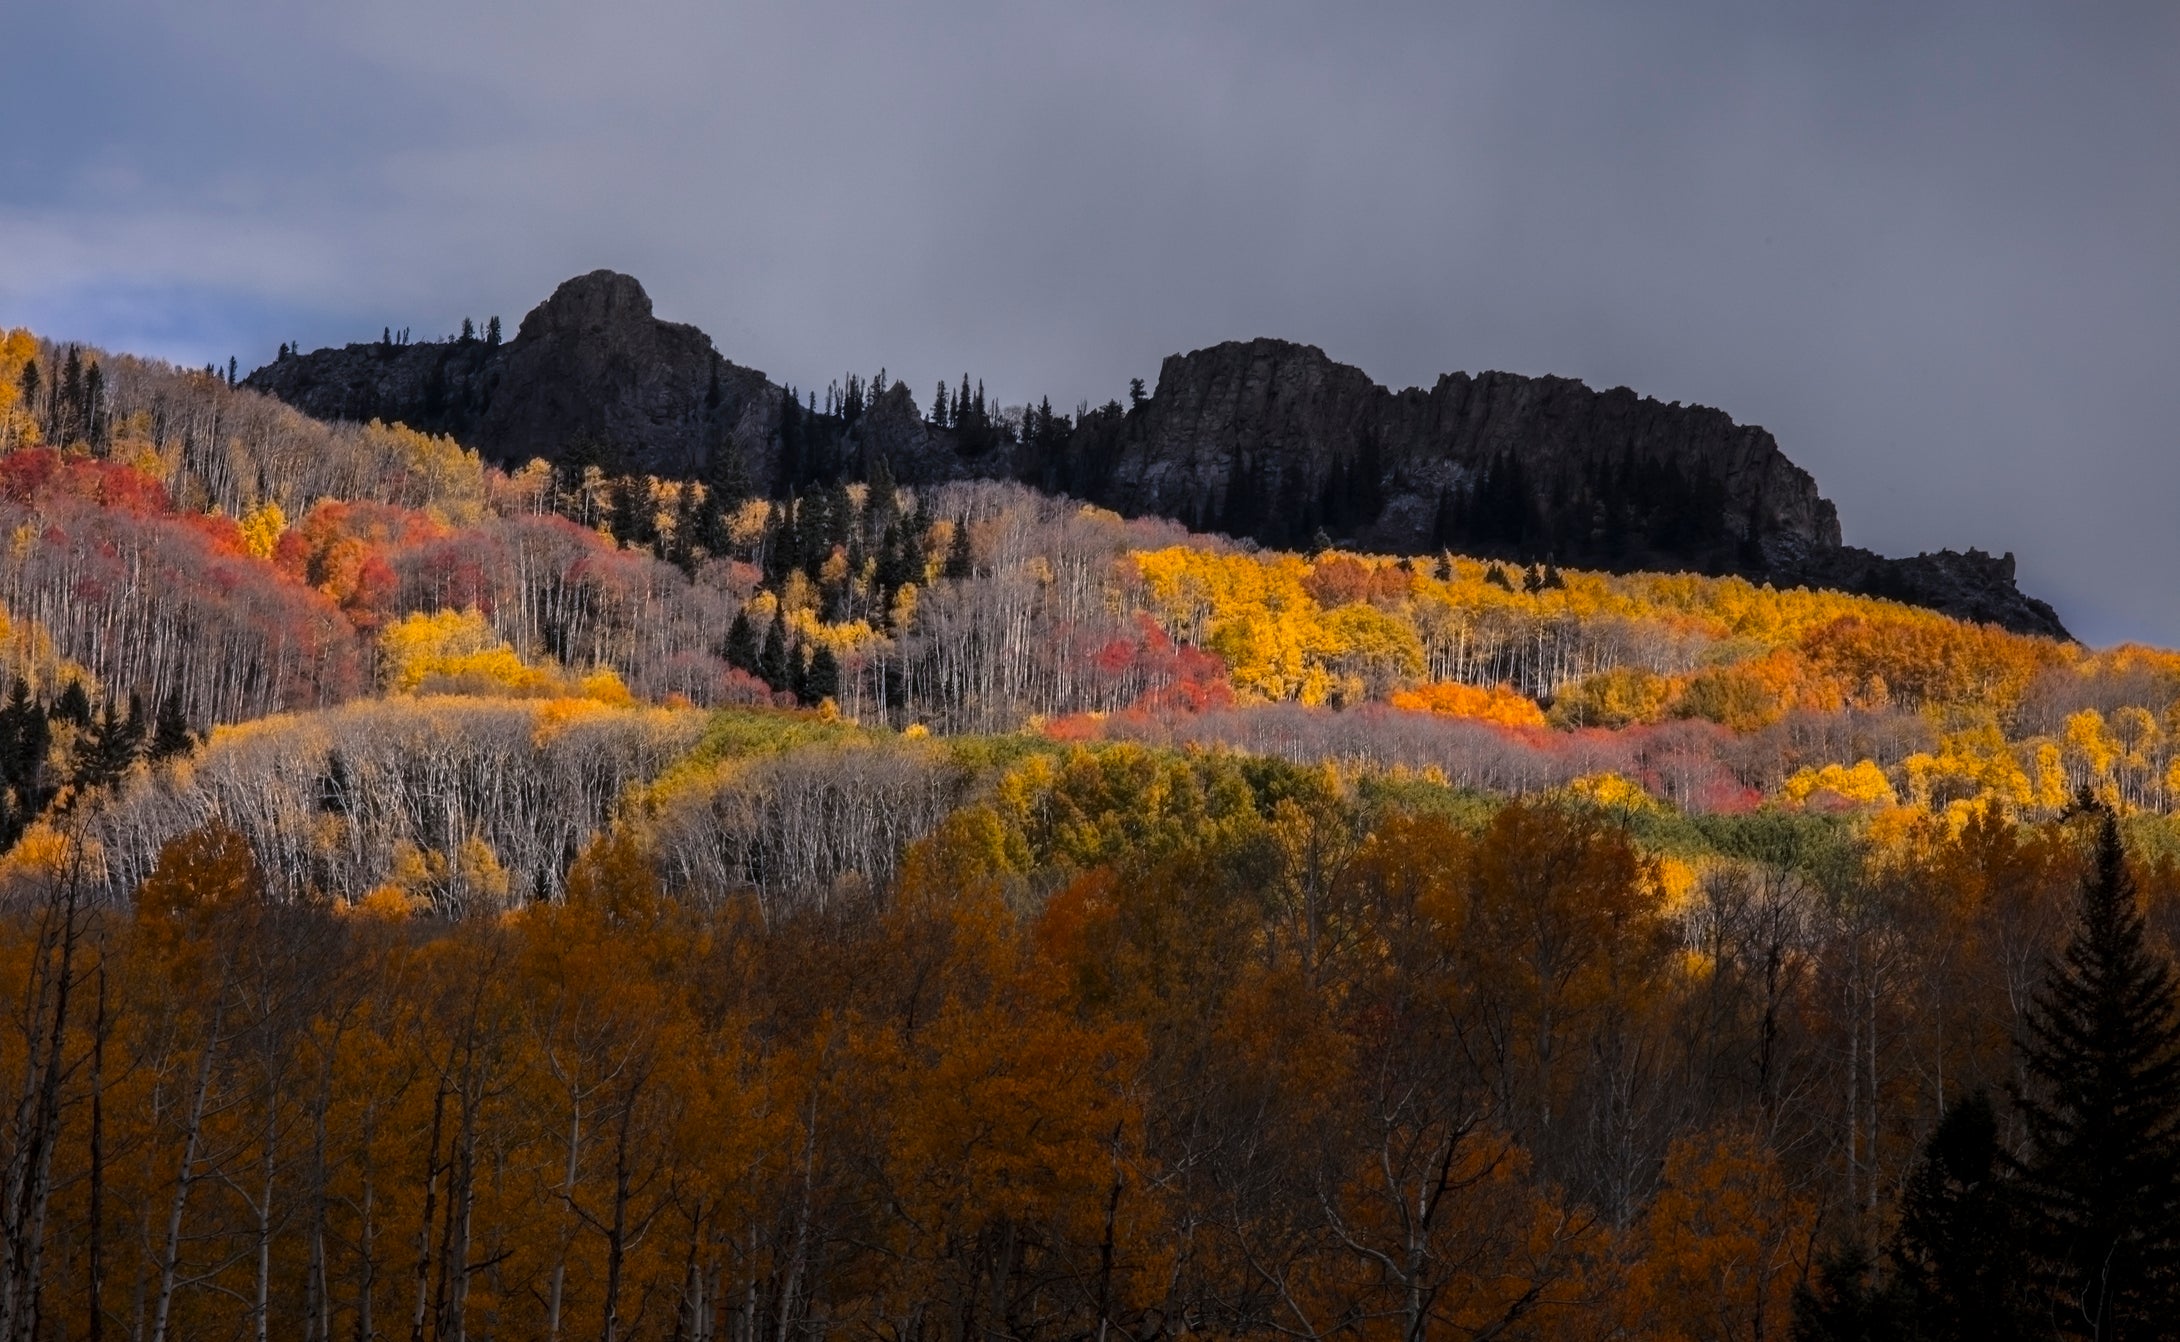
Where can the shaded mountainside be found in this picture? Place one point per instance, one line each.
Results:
(1264, 439)
(590, 370)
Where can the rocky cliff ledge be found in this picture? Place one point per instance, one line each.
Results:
(589, 366)
(1263, 438)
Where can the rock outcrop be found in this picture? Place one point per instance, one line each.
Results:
(589, 366)
(1271, 408)
(1262, 438)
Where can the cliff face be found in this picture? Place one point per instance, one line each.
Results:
(1268, 409)
(1262, 438)
(590, 364)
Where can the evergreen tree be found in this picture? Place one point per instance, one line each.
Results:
(683, 550)
(1319, 543)
(170, 735)
(1844, 1302)
(822, 682)
(94, 398)
(2100, 1179)
(1956, 1271)
(1496, 576)
(23, 737)
(107, 752)
(728, 475)
(916, 541)
(469, 331)
(960, 556)
(882, 501)
(136, 728)
(28, 385)
(741, 650)
(571, 478)
(772, 665)
(938, 405)
(492, 333)
(635, 520)
(73, 706)
(783, 542)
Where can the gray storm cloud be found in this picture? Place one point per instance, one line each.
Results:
(1937, 253)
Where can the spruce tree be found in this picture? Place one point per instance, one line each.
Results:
(170, 735)
(2100, 1178)
(822, 682)
(798, 674)
(960, 556)
(1844, 1301)
(28, 384)
(741, 647)
(772, 667)
(682, 550)
(74, 705)
(106, 753)
(22, 732)
(1955, 1261)
(916, 542)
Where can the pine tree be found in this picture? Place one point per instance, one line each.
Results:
(728, 475)
(170, 736)
(938, 405)
(28, 384)
(106, 752)
(772, 667)
(22, 737)
(682, 550)
(492, 333)
(960, 556)
(2100, 1179)
(1845, 1302)
(741, 648)
(635, 520)
(136, 728)
(823, 679)
(74, 705)
(1955, 1266)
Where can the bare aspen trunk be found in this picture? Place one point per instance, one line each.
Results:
(170, 1256)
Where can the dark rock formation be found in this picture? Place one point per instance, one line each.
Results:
(1303, 431)
(1972, 586)
(590, 365)
(1264, 439)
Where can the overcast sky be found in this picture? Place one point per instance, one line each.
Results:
(1934, 248)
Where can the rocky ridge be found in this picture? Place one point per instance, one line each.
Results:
(1263, 438)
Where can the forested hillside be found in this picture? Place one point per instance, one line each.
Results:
(447, 899)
